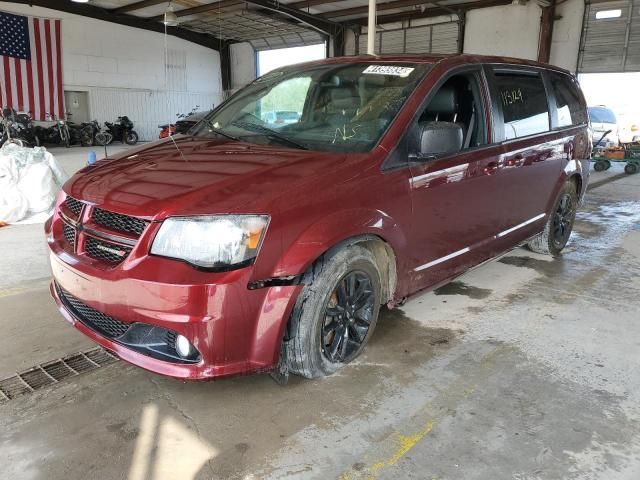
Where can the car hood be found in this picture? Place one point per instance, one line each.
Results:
(197, 176)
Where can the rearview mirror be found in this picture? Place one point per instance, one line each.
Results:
(436, 139)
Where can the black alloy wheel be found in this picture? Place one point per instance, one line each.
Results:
(563, 219)
(348, 316)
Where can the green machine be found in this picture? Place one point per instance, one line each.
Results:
(628, 153)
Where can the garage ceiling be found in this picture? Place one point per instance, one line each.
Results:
(264, 23)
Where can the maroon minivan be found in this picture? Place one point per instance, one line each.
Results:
(247, 246)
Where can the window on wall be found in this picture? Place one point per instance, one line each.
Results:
(271, 59)
(523, 99)
(569, 106)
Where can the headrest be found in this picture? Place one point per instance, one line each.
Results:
(440, 138)
(444, 102)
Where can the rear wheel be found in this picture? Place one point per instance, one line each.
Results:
(86, 137)
(336, 313)
(559, 224)
(131, 137)
(600, 166)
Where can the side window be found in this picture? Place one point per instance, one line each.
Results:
(454, 117)
(524, 103)
(569, 105)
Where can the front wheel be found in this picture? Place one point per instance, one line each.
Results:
(630, 168)
(335, 314)
(131, 137)
(559, 224)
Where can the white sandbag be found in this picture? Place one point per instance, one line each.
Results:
(30, 179)
(13, 204)
(38, 186)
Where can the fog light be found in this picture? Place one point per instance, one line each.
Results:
(183, 346)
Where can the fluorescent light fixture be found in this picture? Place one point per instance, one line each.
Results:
(80, 1)
(602, 14)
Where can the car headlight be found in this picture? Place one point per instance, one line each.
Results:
(212, 242)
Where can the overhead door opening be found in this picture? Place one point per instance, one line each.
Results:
(271, 59)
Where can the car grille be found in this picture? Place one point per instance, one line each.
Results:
(101, 323)
(69, 234)
(106, 251)
(73, 205)
(119, 222)
(107, 247)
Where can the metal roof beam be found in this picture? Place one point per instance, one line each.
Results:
(311, 3)
(428, 13)
(199, 9)
(137, 6)
(315, 22)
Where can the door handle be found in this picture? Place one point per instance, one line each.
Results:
(491, 167)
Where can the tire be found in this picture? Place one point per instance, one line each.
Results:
(607, 164)
(630, 168)
(551, 241)
(67, 137)
(131, 138)
(599, 166)
(308, 353)
(86, 137)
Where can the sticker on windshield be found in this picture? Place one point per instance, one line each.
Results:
(389, 70)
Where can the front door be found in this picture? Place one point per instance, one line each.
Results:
(456, 197)
(77, 106)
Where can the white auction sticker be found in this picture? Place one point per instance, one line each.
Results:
(389, 70)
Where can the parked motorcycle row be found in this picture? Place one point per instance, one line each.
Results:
(20, 126)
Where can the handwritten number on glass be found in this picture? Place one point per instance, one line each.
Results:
(509, 97)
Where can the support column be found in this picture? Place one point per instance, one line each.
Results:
(225, 66)
(546, 32)
(371, 28)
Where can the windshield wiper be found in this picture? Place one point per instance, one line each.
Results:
(217, 131)
(254, 127)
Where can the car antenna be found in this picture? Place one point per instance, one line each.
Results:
(167, 22)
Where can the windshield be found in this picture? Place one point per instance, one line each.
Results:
(601, 115)
(339, 107)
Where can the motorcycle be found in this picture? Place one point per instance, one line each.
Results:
(167, 130)
(181, 126)
(79, 133)
(58, 133)
(98, 137)
(122, 130)
(18, 126)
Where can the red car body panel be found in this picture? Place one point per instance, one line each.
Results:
(316, 200)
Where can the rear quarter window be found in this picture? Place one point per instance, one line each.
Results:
(523, 99)
(569, 107)
(601, 115)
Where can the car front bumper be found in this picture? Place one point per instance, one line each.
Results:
(236, 330)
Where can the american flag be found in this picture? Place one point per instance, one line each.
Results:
(31, 65)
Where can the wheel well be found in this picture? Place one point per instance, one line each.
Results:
(578, 182)
(385, 259)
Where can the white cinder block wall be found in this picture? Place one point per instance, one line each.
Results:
(123, 70)
(514, 30)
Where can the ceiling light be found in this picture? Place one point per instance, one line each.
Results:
(80, 1)
(170, 18)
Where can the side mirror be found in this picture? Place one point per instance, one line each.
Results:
(436, 139)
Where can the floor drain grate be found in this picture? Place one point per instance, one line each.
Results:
(50, 373)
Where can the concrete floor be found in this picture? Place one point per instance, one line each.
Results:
(525, 368)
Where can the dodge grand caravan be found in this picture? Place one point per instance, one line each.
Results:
(244, 247)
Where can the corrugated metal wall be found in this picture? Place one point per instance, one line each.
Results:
(611, 44)
(146, 108)
(436, 38)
